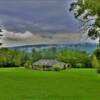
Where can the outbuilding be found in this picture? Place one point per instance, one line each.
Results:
(45, 64)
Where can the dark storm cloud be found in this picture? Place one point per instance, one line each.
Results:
(37, 16)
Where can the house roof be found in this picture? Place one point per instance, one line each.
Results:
(47, 62)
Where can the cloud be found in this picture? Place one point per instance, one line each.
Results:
(93, 41)
(18, 36)
(28, 38)
(37, 16)
(40, 37)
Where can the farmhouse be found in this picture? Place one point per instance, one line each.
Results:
(45, 64)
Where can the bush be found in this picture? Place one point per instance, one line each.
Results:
(28, 65)
(95, 62)
(79, 65)
(56, 67)
(50, 69)
(38, 67)
(98, 70)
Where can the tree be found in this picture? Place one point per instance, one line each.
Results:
(97, 53)
(49, 53)
(74, 57)
(35, 55)
(95, 62)
(88, 11)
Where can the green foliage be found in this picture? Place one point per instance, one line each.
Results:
(96, 59)
(56, 67)
(79, 65)
(88, 11)
(35, 55)
(98, 70)
(28, 65)
(97, 53)
(95, 62)
(10, 58)
(17, 58)
(39, 68)
(74, 57)
(93, 7)
(49, 53)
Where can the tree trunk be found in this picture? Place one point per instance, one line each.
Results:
(99, 42)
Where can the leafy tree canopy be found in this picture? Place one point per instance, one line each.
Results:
(88, 11)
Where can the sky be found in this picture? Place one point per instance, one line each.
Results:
(38, 21)
(37, 16)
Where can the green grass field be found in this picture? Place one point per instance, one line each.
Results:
(72, 84)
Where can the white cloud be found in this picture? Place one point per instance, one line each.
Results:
(28, 38)
(18, 36)
(13, 39)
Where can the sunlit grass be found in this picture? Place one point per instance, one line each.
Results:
(72, 84)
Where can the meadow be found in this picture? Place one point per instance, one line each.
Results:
(71, 84)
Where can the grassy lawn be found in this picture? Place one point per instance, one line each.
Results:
(73, 84)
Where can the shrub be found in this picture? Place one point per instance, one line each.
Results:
(28, 65)
(50, 69)
(98, 70)
(79, 65)
(56, 67)
(95, 62)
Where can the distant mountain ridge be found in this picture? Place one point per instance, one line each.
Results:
(82, 46)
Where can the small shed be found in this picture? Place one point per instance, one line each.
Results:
(44, 64)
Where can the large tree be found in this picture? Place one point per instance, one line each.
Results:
(88, 11)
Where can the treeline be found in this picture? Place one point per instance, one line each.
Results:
(17, 58)
(75, 58)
